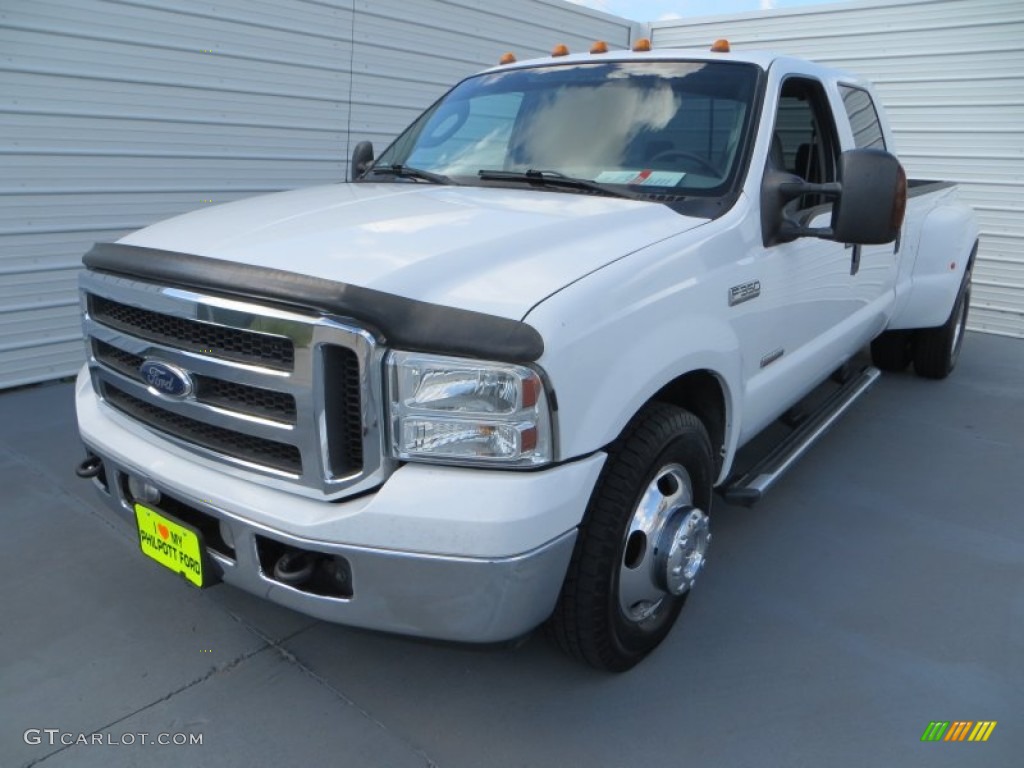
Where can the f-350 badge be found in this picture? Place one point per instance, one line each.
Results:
(744, 292)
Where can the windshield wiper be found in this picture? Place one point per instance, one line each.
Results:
(552, 179)
(408, 172)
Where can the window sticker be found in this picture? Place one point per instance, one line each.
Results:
(645, 177)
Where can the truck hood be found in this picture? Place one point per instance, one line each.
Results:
(494, 250)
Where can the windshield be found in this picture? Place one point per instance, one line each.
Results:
(664, 127)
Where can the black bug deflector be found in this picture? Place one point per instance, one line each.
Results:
(404, 323)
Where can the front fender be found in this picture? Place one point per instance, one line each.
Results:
(612, 342)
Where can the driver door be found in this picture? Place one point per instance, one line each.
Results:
(797, 331)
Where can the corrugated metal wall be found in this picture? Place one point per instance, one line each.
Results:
(951, 76)
(115, 114)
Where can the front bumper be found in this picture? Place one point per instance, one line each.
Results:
(493, 546)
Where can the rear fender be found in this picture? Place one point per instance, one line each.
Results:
(949, 240)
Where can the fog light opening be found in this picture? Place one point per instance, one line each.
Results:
(227, 534)
(143, 490)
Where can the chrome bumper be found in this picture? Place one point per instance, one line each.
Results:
(464, 599)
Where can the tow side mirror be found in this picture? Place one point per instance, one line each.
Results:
(362, 159)
(778, 188)
(874, 198)
(870, 200)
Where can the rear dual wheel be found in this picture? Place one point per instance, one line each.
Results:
(933, 351)
(893, 350)
(642, 543)
(936, 350)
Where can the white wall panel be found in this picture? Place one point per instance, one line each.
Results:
(951, 76)
(118, 113)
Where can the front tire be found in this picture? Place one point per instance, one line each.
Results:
(642, 542)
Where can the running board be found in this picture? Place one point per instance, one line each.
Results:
(749, 488)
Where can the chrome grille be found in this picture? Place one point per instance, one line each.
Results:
(287, 399)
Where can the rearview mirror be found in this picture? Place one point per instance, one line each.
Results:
(362, 159)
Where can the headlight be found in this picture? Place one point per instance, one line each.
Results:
(459, 411)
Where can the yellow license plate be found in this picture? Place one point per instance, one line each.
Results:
(170, 543)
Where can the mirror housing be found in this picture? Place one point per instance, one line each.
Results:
(874, 198)
(362, 159)
(870, 200)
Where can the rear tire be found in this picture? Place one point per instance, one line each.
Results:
(642, 541)
(936, 350)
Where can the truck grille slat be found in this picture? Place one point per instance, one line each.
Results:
(253, 401)
(256, 450)
(195, 336)
(118, 359)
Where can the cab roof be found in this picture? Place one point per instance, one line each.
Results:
(761, 59)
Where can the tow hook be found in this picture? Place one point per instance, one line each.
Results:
(295, 568)
(315, 573)
(90, 467)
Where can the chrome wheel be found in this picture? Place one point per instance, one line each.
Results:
(958, 328)
(665, 545)
(642, 541)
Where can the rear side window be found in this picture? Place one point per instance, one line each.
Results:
(867, 131)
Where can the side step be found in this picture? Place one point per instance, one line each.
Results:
(749, 488)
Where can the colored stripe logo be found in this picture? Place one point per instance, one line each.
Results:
(959, 730)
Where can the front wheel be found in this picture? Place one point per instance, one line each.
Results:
(642, 543)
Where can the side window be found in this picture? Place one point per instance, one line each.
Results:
(867, 131)
(804, 141)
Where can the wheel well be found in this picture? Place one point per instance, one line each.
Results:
(700, 392)
(972, 257)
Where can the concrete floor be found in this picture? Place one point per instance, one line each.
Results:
(880, 586)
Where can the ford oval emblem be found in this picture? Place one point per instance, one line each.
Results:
(165, 379)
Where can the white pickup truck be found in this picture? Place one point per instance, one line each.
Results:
(497, 378)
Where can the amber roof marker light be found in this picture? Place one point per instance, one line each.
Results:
(507, 58)
(599, 46)
(560, 50)
(721, 45)
(642, 45)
